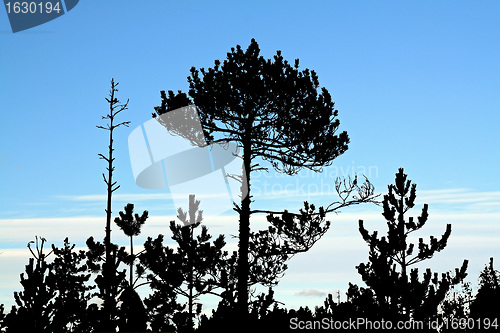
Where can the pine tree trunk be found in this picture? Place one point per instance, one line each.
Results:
(244, 237)
(132, 262)
(190, 263)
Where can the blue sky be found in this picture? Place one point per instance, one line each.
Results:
(415, 82)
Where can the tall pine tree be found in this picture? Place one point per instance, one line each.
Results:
(274, 112)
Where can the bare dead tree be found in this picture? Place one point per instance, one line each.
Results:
(115, 107)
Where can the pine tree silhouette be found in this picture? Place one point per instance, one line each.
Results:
(196, 268)
(55, 294)
(106, 318)
(199, 259)
(132, 315)
(35, 302)
(399, 293)
(274, 112)
(164, 276)
(485, 306)
(131, 224)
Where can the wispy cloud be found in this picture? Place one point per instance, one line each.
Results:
(459, 195)
(135, 196)
(462, 197)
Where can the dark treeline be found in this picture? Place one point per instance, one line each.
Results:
(279, 114)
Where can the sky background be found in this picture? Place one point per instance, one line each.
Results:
(416, 84)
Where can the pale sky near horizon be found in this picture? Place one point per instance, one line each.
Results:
(416, 84)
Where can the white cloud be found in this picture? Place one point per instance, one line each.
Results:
(311, 293)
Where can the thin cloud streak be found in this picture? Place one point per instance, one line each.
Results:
(460, 195)
(135, 197)
(468, 197)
